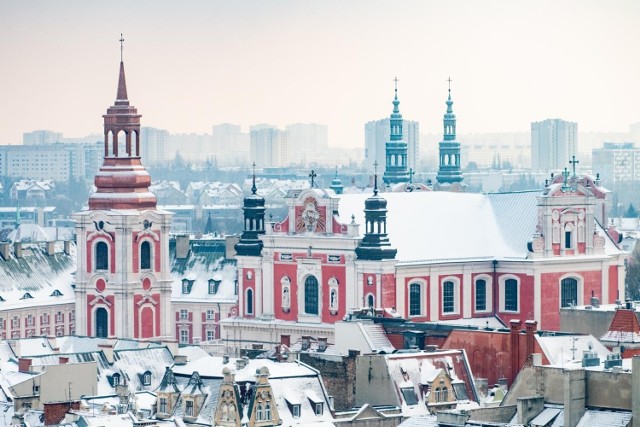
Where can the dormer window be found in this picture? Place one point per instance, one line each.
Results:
(188, 408)
(214, 284)
(56, 293)
(319, 407)
(27, 295)
(162, 407)
(295, 411)
(316, 403)
(115, 379)
(146, 378)
(186, 286)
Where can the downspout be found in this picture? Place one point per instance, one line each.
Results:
(495, 289)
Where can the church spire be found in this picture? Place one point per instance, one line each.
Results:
(449, 171)
(253, 208)
(396, 148)
(121, 96)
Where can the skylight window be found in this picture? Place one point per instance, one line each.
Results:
(409, 396)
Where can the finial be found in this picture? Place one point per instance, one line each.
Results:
(411, 173)
(336, 171)
(313, 175)
(253, 187)
(375, 178)
(395, 81)
(449, 81)
(121, 46)
(574, 162)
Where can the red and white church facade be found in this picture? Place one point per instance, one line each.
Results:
(123, 279)
(424, 256)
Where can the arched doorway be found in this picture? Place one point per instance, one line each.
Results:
(102, 322)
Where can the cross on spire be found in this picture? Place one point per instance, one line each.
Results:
(574, 162)
(312, 175)
(449, 81)
(395, 82)
(121, 46)
(411, 173)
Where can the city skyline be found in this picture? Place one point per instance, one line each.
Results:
(287, 62)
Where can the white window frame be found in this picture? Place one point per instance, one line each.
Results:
(502, 282)
(489, 293)
(211, 315)
(579, 288)
(422, 287)
(184, 336)
(456, 295)
(184, 314)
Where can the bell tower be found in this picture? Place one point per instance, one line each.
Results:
(123, 281)
(449, 173)
(396, 148)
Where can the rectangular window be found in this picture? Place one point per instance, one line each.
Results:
(184, 336)
(481, 295)
(210, 315)
(15, 322)
(59, 317)
(567, 239)
(296, 411)
(163, 405)
(184, 314)
(29, 319)
(319, 408)
(448, 297)
(188, 409)
(211, 335)
(415, 308)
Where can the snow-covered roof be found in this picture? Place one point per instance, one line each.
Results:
(32, 279)
(508, 222)
(561, 350)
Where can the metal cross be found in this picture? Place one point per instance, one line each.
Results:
(312, 175)
(449, 80)
(573, 162)
(395, 80)
(565, 173)
(411, 173)
(121, 46)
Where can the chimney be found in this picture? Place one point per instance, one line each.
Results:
(180, 359)
(225, 359)
(595, 302)
(182, 246)
(54, 412)
(574, 396)
(322, 343)
(51, 248)
(24, 364)
(67, 247)
(635, 389)
(63, 360)
(514, 331)
(172, 345)
(530, 326)
(17, 249)
(4, 251)
(107, 350)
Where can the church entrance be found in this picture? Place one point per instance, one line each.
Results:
(102, 323)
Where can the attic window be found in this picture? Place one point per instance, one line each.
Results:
(115, 379)
(295, 411)
(186, 286)
(319, 408)
(409, 396)
(56, 293)
(26, 295)
(2, 299)
(146, 378)
(214, 284)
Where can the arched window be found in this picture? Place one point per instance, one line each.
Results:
(102, 256)
(311, 295)
(371, 301)
(448, 297)
(115, 379)
(511, 295)
(102, 322)
(481, 295)
(568, 292)
(145, 255)
(267, 411)
(146, 378)
(259, 413)
(415, 306)
(249, 302)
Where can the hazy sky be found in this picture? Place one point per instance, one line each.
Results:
(192, 64)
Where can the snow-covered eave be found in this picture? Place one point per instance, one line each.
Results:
(30, 303)
(462, 260)
(205, 300)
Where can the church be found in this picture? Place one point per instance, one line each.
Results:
(441, 255)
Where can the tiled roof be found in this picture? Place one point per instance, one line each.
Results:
(624, 328)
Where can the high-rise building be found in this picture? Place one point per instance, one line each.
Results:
(268, 146)
(41, 137)
(306, 142)
(553, 142)
(617, 163)
(153, 143)
(378, 132)
(230, 145)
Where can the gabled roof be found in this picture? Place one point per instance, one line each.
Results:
(624, 328)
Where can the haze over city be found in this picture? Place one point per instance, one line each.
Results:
(191, 65)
